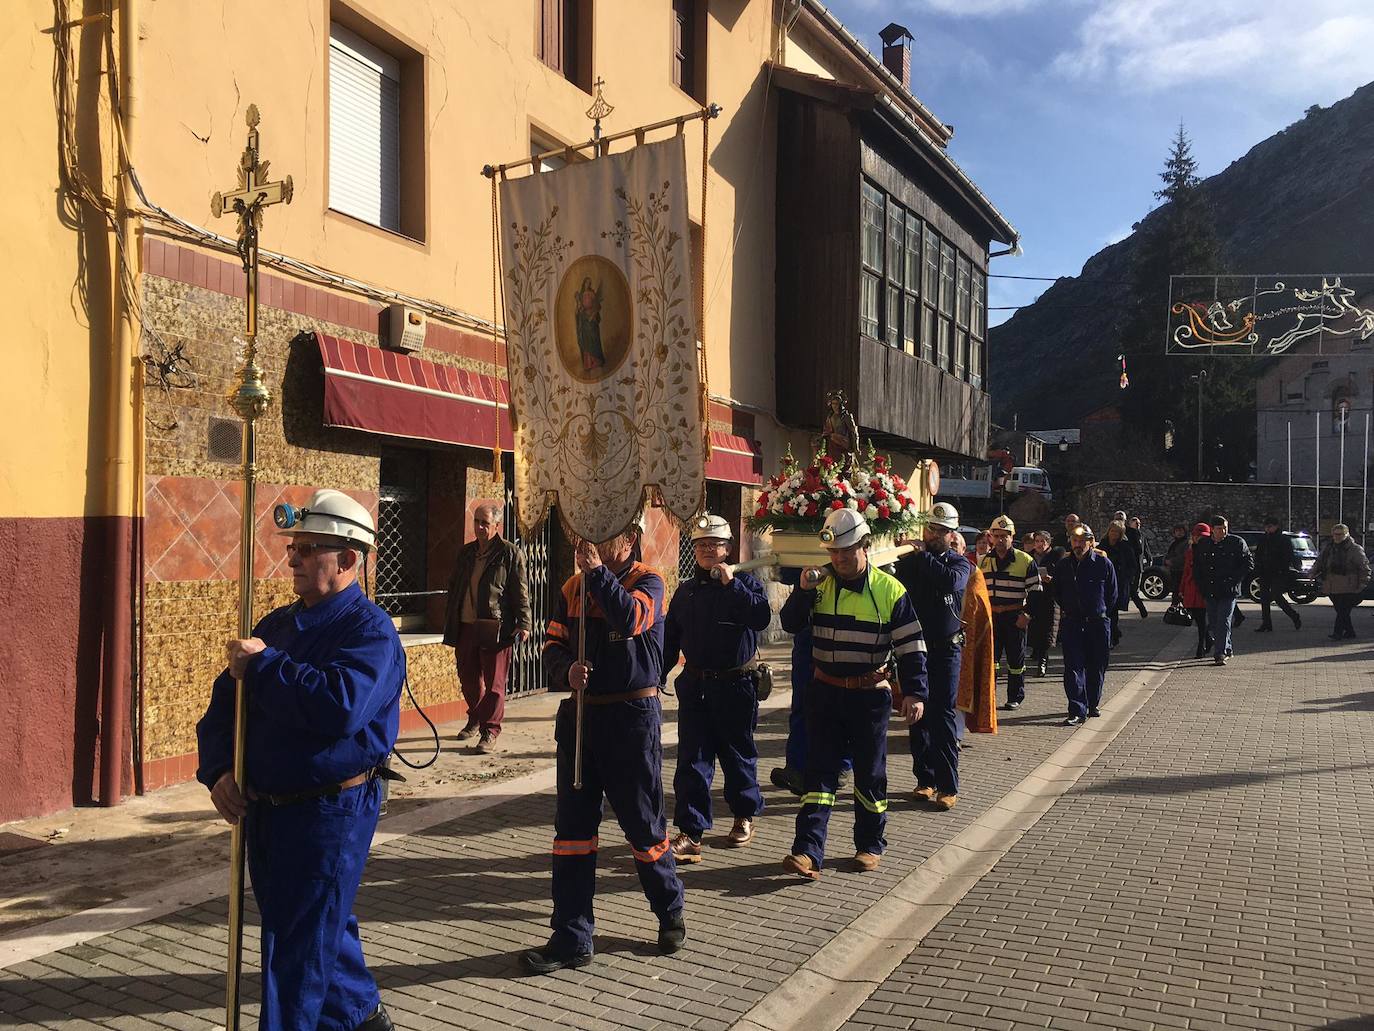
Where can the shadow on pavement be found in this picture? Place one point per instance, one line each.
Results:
(1185, 785)
(1360, 701)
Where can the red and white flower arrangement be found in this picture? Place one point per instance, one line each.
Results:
(800, 498)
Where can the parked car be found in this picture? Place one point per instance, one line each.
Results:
(1156, 582)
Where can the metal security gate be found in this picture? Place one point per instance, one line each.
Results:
(403, 539)
(526, 664)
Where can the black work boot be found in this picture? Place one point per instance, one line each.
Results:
(550, 957)
(672, 933)
(378, 1020)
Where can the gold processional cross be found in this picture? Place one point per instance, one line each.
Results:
(250, 400)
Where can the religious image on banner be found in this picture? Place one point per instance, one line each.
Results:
(601, 339)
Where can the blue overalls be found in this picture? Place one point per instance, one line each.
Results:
(935, 583)
(622, 747)
(1086, 592)
(716, 628)
(795, 755)
(857, 626)
(324, 706)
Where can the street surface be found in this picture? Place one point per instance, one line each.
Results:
(1200, 857)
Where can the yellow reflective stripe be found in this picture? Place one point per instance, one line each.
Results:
(818, 798)
(869, 804)
(1016, 669)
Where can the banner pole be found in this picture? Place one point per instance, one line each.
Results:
(1364, 506)
(1318, 530)
(581, 695)
(1340, 489)
(1290, 475)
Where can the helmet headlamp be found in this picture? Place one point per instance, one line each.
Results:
(287, 516)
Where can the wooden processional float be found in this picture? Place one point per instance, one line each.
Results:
(793, 506)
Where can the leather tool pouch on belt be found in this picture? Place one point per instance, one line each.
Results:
(763, 681)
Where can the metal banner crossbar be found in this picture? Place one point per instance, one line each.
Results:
(1268, 314)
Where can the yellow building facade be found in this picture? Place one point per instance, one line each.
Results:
(119, 508)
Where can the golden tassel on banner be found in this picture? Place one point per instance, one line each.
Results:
(701, 298)
(496, 286)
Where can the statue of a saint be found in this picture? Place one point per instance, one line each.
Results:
(839, 433)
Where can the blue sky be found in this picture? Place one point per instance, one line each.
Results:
(1064, 109)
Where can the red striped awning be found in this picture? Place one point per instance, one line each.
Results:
(367, 388)
(734, 460)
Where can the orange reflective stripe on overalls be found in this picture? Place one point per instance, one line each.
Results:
(653, 854)
(568, 847)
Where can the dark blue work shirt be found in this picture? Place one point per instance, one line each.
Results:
(624, 635)
(1085, 587)
(324, 697)
(935, 583)
(714, 625)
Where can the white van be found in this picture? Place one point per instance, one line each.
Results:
(1028, 479)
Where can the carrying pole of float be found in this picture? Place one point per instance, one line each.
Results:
(250, 400)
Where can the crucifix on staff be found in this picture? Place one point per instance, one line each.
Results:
(250, 401)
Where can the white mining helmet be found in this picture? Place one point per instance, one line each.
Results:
(944, 516)
(710, 526)
(844, 528)
(330, 512)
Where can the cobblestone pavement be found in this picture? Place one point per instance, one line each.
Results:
(1215, 856)
(1211, 870)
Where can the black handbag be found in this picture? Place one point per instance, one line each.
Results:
(1177, 615)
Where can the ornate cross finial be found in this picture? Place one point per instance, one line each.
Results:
(253, 194)
(254, 191)
(599, 109)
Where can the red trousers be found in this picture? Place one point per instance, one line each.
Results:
(482, 676)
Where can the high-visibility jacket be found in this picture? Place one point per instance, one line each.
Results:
(858, 625)
(1010, 579)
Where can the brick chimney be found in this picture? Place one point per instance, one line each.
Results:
(897, 42)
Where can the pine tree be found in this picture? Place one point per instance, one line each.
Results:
(1179, 238)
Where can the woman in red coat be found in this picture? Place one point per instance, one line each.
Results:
(1192, 597)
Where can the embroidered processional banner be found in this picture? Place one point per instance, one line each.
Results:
(601, 338)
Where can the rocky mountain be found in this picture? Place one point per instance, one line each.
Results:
(1302, 201)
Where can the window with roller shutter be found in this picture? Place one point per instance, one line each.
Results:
(364, 130)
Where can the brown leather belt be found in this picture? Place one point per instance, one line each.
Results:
(871, 680)
(321, 791)
(621, 696)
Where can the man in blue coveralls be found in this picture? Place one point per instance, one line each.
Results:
(1084, 585)
(323, 677)
(714, 621)
(935, 578)
(860, 618)
(622, 747)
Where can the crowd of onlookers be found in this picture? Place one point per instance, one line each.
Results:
(1209, 570)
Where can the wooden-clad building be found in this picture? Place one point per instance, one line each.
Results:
(882, 253)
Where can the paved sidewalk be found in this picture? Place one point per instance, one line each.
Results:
(1213, 869)
(447, 909)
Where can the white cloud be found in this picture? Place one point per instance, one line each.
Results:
(1263, 45)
